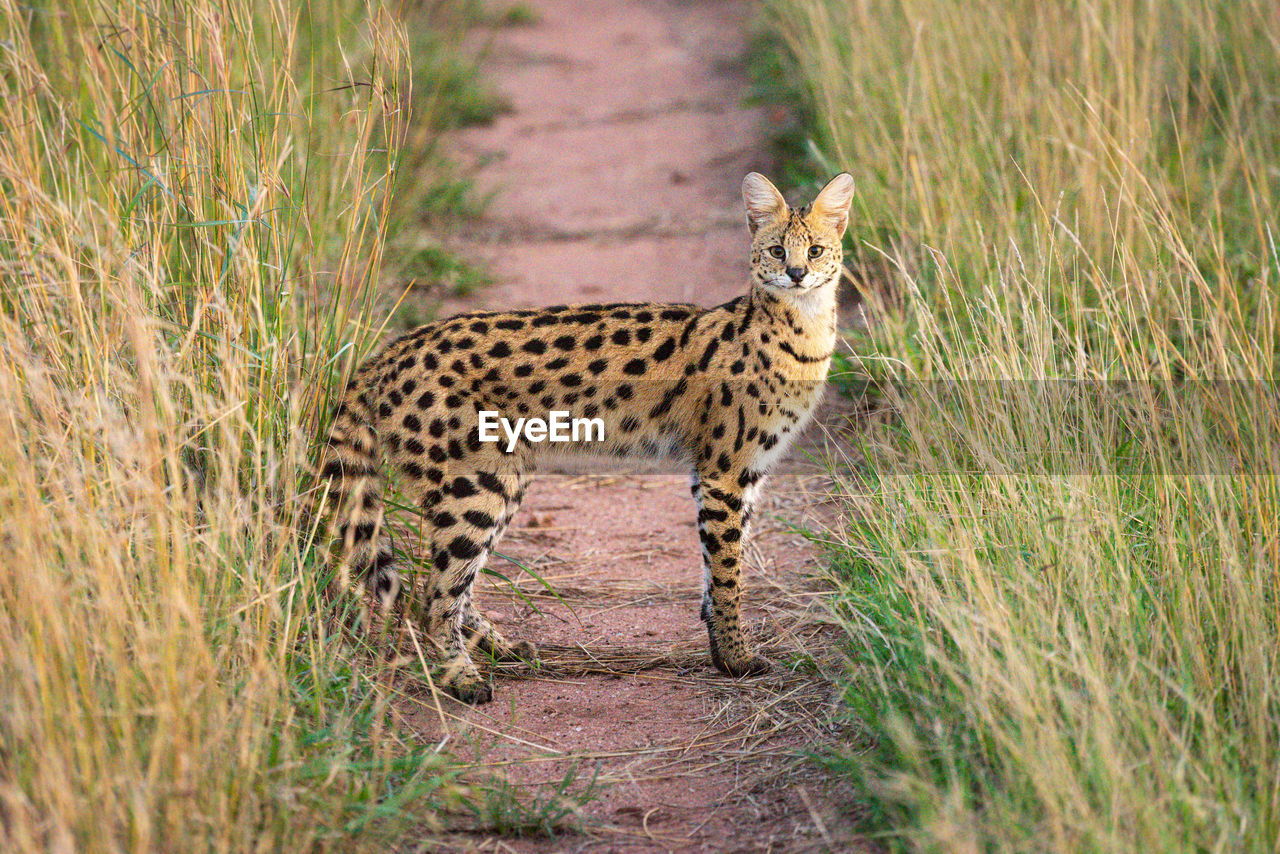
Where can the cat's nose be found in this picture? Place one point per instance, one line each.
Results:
(796, 273)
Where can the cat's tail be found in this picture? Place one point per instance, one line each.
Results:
(348, 499)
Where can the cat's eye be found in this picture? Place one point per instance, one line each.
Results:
(815, 251)
(777, 252)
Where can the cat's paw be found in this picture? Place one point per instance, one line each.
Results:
(748, 665)
(470, 688)
(520, 651)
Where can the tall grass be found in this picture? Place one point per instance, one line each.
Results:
(192, 211)
(1059, 581)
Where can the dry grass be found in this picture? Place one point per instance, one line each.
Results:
(192, 209)
(1062, 597)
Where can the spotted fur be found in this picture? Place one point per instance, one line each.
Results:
(726, 389)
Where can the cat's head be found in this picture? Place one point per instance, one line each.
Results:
(796, 250)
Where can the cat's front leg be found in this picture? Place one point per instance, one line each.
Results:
(723, 510)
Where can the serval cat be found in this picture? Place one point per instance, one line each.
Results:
(725, 389)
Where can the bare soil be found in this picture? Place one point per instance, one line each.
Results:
(616, 178)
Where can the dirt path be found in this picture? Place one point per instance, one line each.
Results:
(616, 178)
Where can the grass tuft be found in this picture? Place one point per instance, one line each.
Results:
(502, 808)
(193, 206)
(1059, 579)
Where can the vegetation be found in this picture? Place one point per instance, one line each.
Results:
(1059, 578)
(548, 811)
(447, 87)
(194, 200)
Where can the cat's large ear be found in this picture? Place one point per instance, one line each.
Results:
(831, 207)
(762, 199)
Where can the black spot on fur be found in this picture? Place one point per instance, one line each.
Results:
(707, 354)
(490, 482)
(464, 548)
